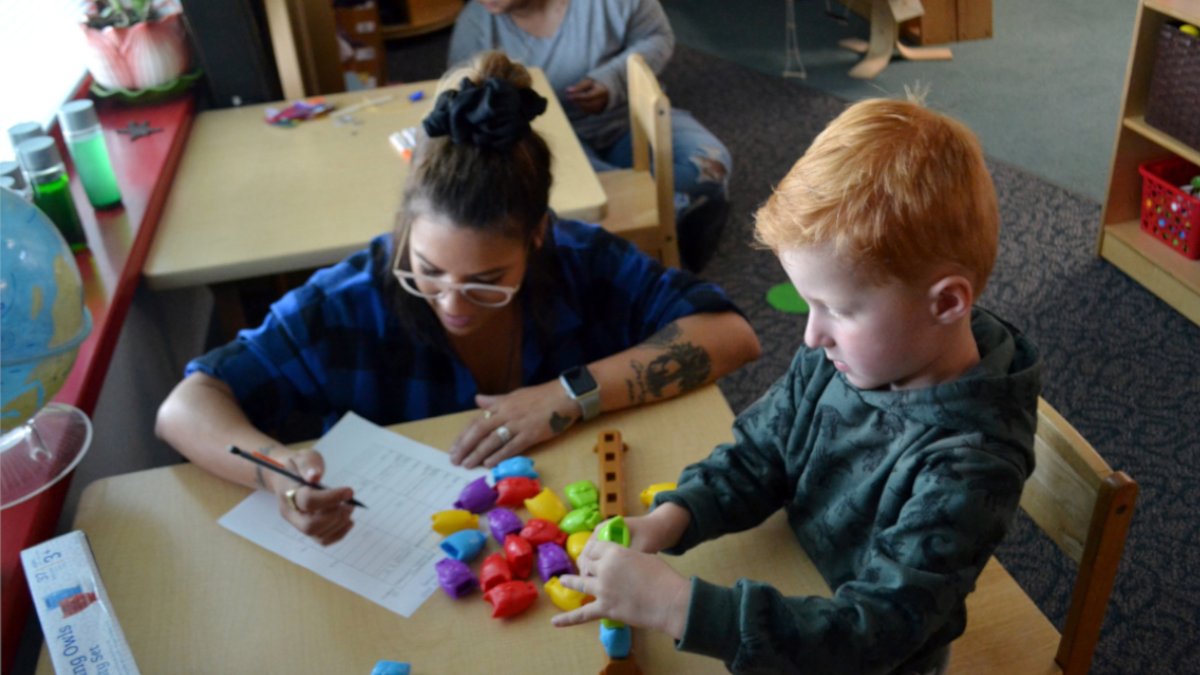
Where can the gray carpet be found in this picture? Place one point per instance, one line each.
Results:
(1120, 364)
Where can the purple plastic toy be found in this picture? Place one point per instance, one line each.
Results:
(503, 522)
(455, 577)
(552, 560)
(477, 496)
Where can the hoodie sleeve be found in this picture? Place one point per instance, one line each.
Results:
(909, 591)
(742, 483)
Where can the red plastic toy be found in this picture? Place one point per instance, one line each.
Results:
(510, 598)
(515, 490)
(539, 531)
(494, 571)
(519, 553)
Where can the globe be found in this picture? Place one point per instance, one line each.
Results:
(42, 323)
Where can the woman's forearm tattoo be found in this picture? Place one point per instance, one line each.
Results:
(681, 364)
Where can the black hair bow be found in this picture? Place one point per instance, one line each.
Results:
(493, 115)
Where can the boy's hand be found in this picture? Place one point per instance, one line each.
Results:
(637, 588)
(661, 528)
(589, 95)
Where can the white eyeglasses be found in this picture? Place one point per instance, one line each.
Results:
(484, 295)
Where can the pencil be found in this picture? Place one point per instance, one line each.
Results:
(268, 463)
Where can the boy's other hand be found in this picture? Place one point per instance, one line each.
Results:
(589, 95)
(637, 588)
(661, 528)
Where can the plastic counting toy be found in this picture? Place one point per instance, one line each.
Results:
(455, 578)
(514, 491)
(617, 641)
(390, 668)
(464, 545)
(553, 561)
(616, 637)
(582, 493)
(519, 553)
(564, 598)
(576, 542)
(547, 506)
(583, 519)
(514, 466)
(494, 571)
(610, 450)
(477, 496)
(448, 522)
(538, 531)
(502, 523)
(647, 495)
(510, 598)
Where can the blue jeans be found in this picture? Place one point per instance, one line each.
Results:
(702, 165)
(702, 162)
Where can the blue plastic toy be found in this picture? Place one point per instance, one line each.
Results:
(464, 545)
(514, 466)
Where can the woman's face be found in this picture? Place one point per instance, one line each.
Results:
(442, 253)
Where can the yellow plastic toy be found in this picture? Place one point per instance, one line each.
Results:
(565, 598)
(576, 542)
(547, 506)
(647, 495)
(448, 522)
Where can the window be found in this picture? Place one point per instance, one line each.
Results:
(41, 60)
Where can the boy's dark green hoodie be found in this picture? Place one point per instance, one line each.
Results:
(898, 497)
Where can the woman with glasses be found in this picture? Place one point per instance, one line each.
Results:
(480, 298)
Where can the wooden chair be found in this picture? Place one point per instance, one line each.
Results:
(1085, 507)
(641, 205)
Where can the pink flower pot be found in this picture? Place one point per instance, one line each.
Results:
(141, 56)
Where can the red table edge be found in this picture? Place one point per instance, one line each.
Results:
(36, 520)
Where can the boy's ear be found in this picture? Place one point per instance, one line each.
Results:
(951, 298)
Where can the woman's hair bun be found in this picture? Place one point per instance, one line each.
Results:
(494, 114)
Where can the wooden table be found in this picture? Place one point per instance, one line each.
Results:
(251, 199)
(193, 597)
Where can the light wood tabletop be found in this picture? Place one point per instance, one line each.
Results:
(250, 199)
(193, 597)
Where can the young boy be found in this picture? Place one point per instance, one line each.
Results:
(898, 441)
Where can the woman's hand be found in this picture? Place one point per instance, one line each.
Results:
(323, 515)
(514, 422)
(637, 588)
(588, 95)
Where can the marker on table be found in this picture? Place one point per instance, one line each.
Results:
(268, 463)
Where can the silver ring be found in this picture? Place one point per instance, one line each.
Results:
(290, 496)
(504, 434)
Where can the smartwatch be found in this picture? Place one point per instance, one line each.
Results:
(582, 389)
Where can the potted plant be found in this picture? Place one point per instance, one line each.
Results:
(135, 45)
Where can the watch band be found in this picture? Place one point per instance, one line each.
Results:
(583, 389)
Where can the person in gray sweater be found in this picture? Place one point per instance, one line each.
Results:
(897, 442)
(582, 46)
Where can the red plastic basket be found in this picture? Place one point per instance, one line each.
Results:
(1169, 214)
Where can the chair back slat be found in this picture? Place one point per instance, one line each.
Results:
(1061, 494)
(650, 122)
(1085, 507)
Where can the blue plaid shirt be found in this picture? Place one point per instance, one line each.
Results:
(336, 344)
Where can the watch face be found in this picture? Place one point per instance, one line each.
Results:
(580, 380)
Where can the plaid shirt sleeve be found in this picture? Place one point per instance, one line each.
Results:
(284, 365)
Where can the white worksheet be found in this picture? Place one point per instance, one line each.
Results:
(389, 554)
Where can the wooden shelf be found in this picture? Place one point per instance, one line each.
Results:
(1164, 272)
(1169, 143)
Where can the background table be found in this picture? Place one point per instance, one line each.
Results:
(251, 199)
(193, 597)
